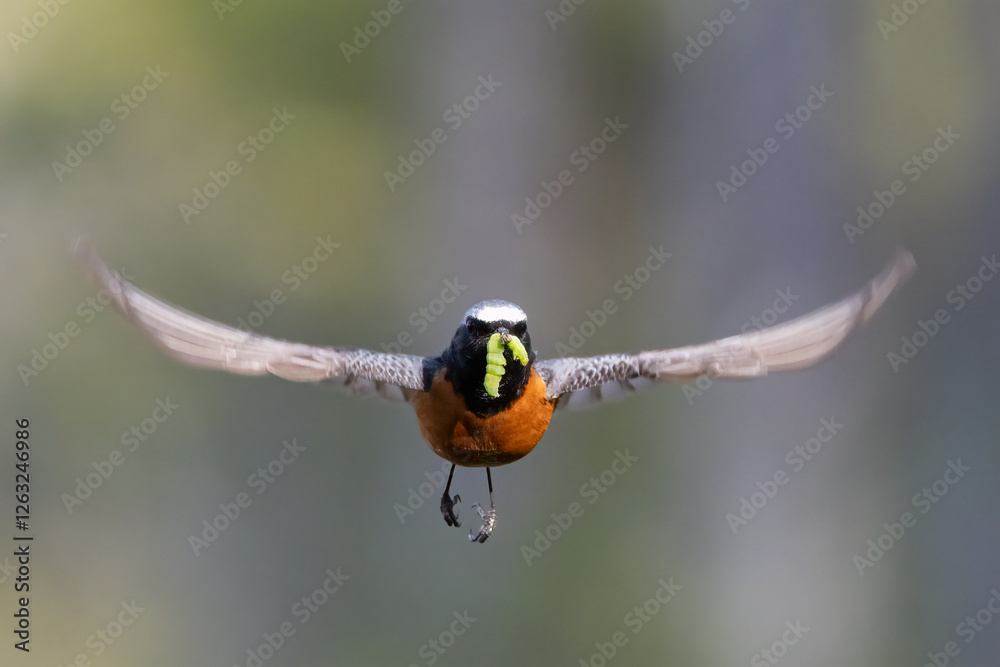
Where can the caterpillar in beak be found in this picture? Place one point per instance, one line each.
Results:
(495, 360)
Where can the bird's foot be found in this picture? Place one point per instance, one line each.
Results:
(448, 509)
(489, 523)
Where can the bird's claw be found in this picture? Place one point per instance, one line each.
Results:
(489, 523)
(447, 509)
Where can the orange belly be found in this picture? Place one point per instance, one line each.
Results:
(459, 436)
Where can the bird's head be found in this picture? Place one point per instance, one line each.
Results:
(490, 356)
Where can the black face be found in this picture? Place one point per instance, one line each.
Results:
(466, 363)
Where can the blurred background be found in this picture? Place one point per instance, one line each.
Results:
(360, 173)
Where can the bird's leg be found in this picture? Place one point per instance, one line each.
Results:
(448, 503)
(489, 517)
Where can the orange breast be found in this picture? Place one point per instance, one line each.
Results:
(459, 436)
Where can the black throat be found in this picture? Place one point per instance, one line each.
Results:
(465, 364)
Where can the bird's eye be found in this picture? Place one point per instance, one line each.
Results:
(519, 329)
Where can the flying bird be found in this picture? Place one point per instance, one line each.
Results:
(486, 400)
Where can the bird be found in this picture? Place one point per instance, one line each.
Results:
(486, 400)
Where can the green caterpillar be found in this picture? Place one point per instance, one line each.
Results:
(495, 360)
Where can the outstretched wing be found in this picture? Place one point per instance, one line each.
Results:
(577, 381)
(202, 342)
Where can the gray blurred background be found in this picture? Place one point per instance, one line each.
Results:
(221, 71)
